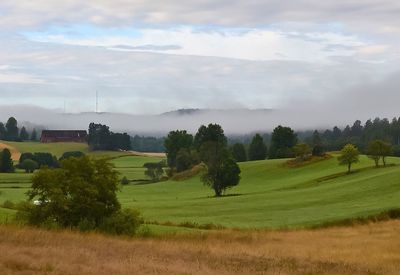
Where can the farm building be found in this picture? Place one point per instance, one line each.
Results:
(63, 136)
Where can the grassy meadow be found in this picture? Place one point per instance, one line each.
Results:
(270, 195)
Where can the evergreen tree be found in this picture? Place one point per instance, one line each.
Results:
(211, 133)
(282, 141)
(257, 148)
(12, 129)
(23, 135)
(3, 131)
(6, 162)
(317, 149)
(34, 135)
(239, 152)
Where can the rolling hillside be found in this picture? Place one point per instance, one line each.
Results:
(274, 196)
(270, 194)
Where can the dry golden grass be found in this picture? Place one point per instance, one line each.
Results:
(367, 249)
(148, 154)
(15, 154)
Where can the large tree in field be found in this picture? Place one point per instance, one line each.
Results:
(176, 141)
(12, 129)
(222, 170)
(257, 148)
(6, 163)
(349, 155)
(282, 141)
(378, 149)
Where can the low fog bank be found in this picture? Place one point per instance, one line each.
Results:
(234, 121)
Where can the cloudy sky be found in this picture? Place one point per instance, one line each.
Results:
(148, 57)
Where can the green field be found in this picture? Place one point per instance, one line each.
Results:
(58, 149)
(270, 194)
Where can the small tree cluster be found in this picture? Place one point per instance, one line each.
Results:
(179, 149)
(209, 146)
(378, 149)
(101, 138)
(154, 170)
(37, 160)
(11, 132)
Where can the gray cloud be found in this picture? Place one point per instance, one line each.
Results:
(381, 15)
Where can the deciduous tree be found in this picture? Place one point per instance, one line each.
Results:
(349, 155)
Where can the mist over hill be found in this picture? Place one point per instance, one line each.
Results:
(234, 121)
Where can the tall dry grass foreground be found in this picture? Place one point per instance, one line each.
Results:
(366, 249)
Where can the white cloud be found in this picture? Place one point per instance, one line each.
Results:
(250, 44)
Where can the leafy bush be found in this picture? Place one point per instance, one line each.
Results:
(124, 222)
(83, 188)
(41, 158)
(125, 181)
(8, 204)
(72, 154)
(29, 165)
(154, 170)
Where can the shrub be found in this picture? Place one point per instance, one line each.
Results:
(125, 181)
(124, 222)
(154, 170)
(8, 204)
(72, 154)
(29, 165)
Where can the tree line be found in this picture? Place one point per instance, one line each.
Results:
(360, 135)
(11, 132)
(101, 138)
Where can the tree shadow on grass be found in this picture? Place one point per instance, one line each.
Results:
(221, 197)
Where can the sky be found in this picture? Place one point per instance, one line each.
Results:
(335, 59)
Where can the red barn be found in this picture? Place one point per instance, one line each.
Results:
(63, 136)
